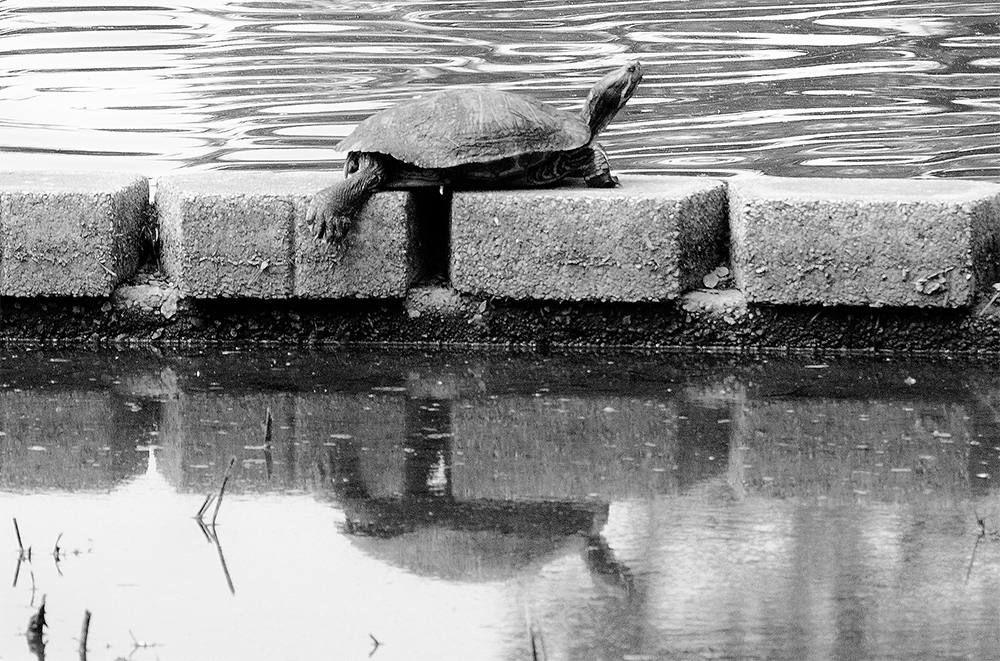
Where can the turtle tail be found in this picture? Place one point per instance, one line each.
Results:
(331, 211)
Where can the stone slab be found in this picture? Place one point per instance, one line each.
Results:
(874, 242)
(377, 259)
(648, 240)
(69, 234)
(244, 235)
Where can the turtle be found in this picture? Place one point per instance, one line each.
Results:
(472, 138)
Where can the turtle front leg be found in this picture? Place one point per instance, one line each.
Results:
(597, 171)
(331, 211)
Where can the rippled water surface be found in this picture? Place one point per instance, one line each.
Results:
(784, 87)
(457, 506)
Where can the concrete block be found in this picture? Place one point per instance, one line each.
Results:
(376, 261)
(874, 242)
(69, 234)
(243, 234)
(648, 240)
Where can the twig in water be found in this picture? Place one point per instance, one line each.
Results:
(222, 489)
(212, 536)
(84, 632)
(537, 641)
(972, 560)
(23, 555)
(17, 570)
(222, 560)
(204, 506)
(981, 522)
(268, 458)
(268, 423)
(535, 647)
(17, 573)
(17, 531)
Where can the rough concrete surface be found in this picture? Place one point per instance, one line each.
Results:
(924, 243)
(375, 261)
(653, 221)
(648, 240)
(244, 235)
(69, 234)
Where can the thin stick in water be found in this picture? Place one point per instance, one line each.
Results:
(222, 489)
(222, 559)
(204, 506)
(85, 631)
(268, 458)
(535, 636)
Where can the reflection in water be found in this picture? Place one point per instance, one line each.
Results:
(602, 562)
(784, 87)
(634, 507)
(425, 529)
(35, 633)
(212, 535)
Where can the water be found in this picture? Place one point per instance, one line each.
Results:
(886, 88)
(446, 506)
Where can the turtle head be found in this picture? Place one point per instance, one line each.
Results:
(609, 95)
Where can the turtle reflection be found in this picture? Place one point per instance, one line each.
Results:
(428, 531)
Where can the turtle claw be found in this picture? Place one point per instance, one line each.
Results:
(327, 225)
(333, 230)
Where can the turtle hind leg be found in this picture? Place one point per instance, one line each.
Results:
(597, 170)
(331, 211)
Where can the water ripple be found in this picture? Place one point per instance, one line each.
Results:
(791, 87)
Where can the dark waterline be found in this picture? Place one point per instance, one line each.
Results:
(782, 87)
(627, 506)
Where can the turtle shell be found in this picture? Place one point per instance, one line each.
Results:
(472, 125)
